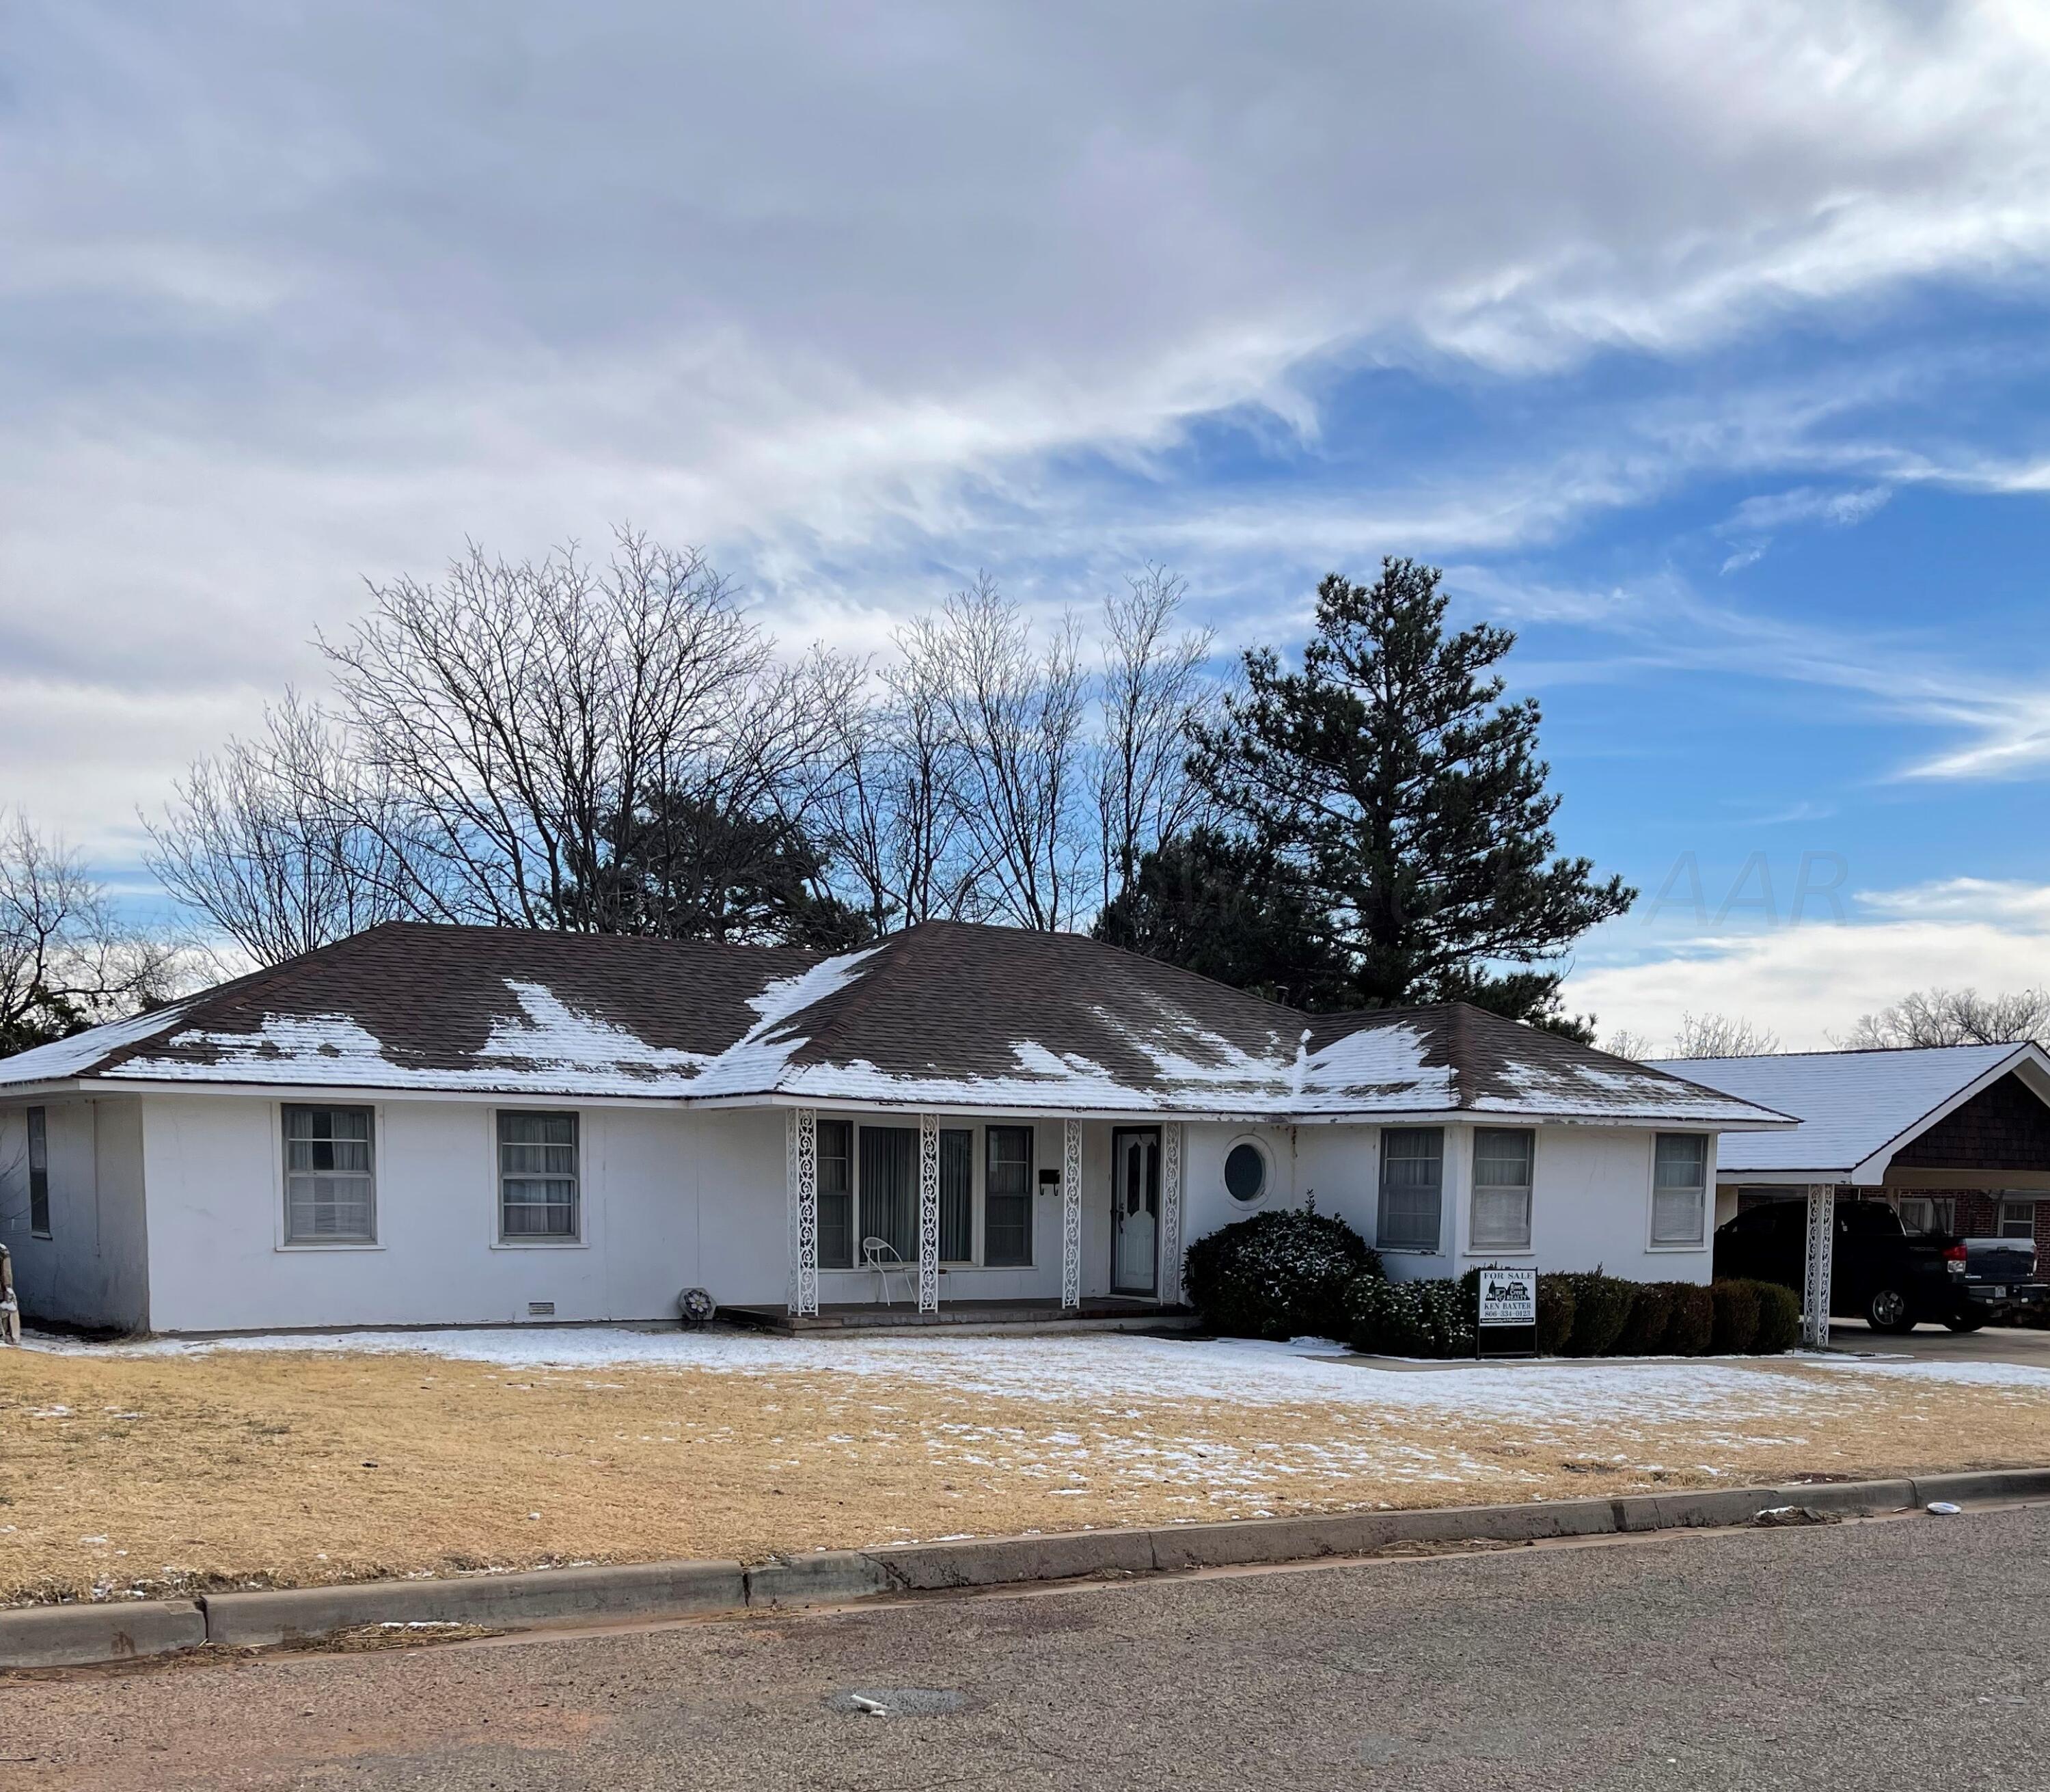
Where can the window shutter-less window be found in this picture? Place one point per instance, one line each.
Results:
(1007, 1218)
(1679, 1189)
(835, 1145)
(39, 1173)
(537, 1177)
(957, 1196)
(1413, 1171)
(1502, 1159)
(330, 1182)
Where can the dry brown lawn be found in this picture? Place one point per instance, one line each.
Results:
(238, 1469)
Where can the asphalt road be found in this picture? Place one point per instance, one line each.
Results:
(1905, 1653)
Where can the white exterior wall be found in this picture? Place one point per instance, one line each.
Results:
(669, 1199)
(92, 1270)
(1590, 1201)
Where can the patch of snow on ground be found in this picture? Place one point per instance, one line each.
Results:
(1103, 1369)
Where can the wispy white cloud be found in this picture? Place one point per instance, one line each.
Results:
(1811, 981)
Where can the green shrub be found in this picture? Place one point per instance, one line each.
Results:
(1280, 1275)
(1736, 1317)
(1690, 1329)
(1409, 1318)
(1555, 1314)
(1643, 1333)
(1778, 1319)
(1601, 1306)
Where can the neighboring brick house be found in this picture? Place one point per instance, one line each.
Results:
(1957, 1138)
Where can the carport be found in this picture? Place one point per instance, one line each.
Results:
(1960, 1132)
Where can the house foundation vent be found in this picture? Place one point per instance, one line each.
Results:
(540, 1310)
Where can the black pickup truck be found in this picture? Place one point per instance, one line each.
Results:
(1882, 1273)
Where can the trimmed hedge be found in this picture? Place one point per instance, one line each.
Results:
(1691, 1327)
(1737, 1317)
(1438, 1318)
(1643, 1333)
(1778, 1319)
(1555, 1315)
(1409, 1318)
(1280, 1275)
(1601, 1307)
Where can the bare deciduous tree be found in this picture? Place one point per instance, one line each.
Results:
(1939, 1016)
(1624, 1043)
(1722, 1036)
(1153, 694)
(526, 718)
(67, 960)
(1015, 718)
(268, 839)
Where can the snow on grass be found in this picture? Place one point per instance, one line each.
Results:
(1099, 1371)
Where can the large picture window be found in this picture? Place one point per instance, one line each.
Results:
(1413, 1179)
(835, 1146)
(330, 1180)
(957, 1196)
(1680, 1189)
(537, 1177)
(1502, 1167)
(1007, 1216)
(890, 1189)
(39, 1173)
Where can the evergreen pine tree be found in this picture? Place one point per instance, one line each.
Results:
(1390, 772)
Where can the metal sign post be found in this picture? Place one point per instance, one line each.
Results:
(1508, 1318)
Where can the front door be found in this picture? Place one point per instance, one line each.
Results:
(1135, 1196)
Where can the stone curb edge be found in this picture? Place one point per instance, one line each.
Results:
(80, 1635)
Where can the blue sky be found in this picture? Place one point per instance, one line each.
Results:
(1705, 347)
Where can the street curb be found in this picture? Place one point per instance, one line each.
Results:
(546, 1595)
(65, 1636)
(76, 1636)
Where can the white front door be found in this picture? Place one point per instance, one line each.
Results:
(1135, 1195)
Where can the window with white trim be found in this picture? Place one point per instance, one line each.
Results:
(1412, 1182)
(538, 1198)
(330, 1178)
(1502, 1174)
(39, 1173)
(2017, 1219)
(1007, 1197)
(836, 1190)
(1679, 1189)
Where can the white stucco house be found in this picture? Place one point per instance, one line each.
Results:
(446, 1125)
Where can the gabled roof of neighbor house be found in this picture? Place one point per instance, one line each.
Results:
(944, 1014)
(1856, 1109)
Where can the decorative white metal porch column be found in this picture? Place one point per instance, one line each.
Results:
(928, 1213)
(1171, 1213)
(803, 1298)
(1071, 1213)
(1821, 1252)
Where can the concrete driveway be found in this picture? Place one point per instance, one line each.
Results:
(1997, 1344)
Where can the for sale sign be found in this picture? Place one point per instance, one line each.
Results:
(1509, 1297)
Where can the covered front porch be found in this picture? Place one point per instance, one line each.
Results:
(1101, 1313)
(933, 1218)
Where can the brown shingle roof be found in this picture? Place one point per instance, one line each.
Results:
(944, 1014)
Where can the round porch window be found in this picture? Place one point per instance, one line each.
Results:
(1245, 1173)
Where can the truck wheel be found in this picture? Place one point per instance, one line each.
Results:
(1887, 1311)
(1965, 1322)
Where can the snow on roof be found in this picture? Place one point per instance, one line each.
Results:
(1850, 1104)
(942, 1015)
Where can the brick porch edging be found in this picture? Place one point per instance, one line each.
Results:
(79, 1635)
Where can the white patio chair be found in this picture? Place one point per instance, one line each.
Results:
(880, 1255)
